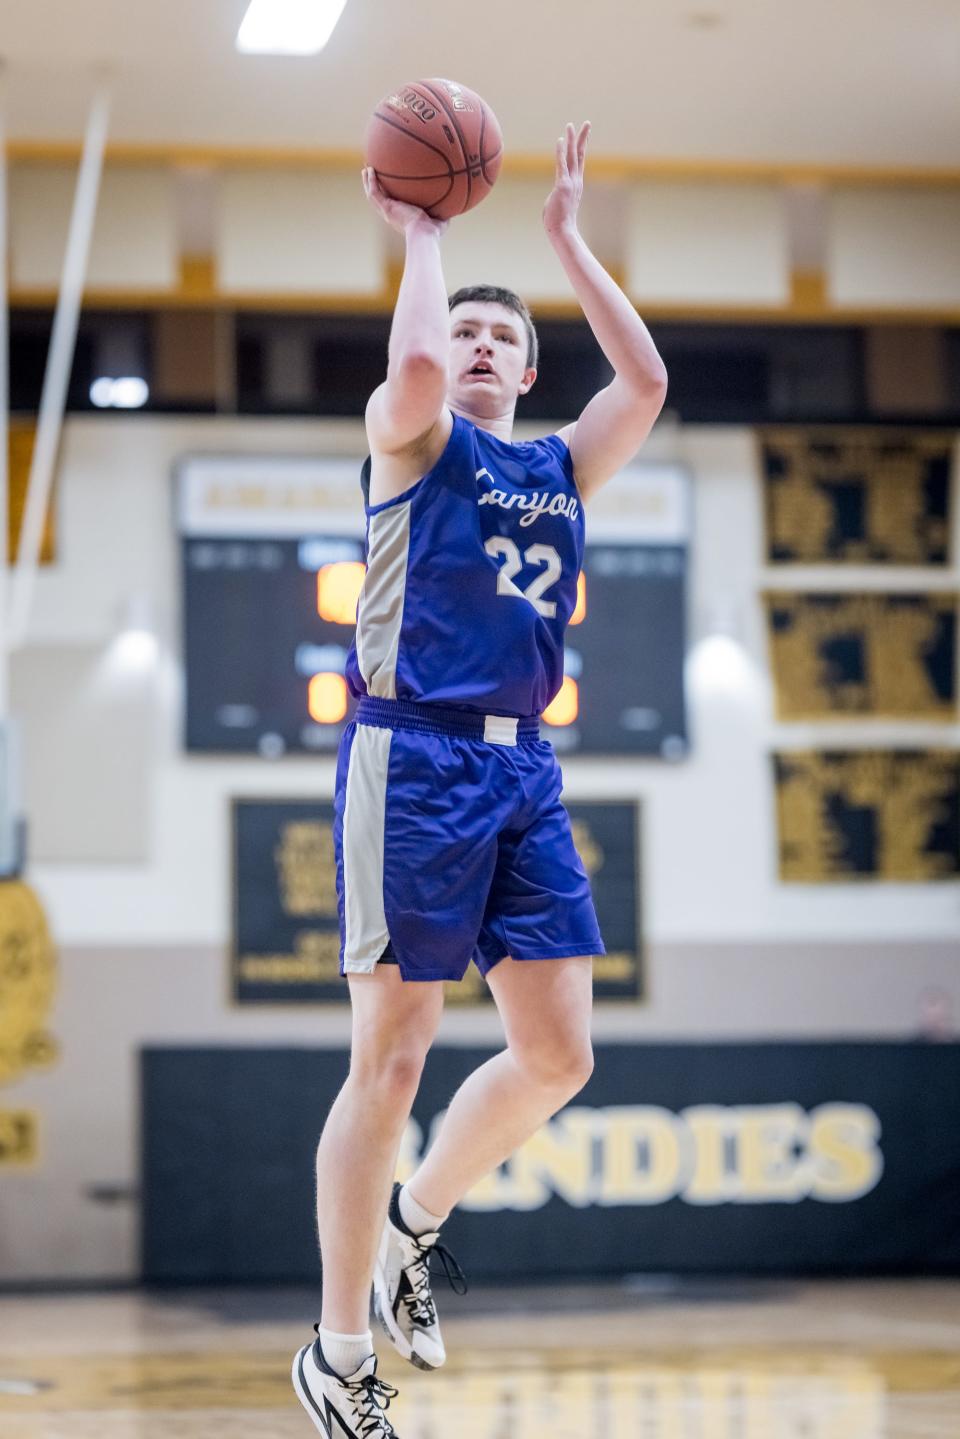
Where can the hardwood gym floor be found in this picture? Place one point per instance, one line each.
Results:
(647, 1359)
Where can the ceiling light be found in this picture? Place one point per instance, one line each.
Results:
(129, 392)
(288, 27)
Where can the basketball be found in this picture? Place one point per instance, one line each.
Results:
(435, 144)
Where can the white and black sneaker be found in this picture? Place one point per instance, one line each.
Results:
(402, 1300)
(343, 1408)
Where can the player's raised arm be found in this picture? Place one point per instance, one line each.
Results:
(406, 407)
(618, 419)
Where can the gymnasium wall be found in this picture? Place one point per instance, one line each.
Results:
(130, 851)
(708, 821)
(767, 239)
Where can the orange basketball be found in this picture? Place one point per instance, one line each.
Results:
(435, 144)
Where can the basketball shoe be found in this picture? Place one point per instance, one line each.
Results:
(343, 1408)
(402, 1300)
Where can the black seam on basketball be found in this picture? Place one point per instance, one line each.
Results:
(483, 126)
(389, 120)
(450, 174)
(489, 161)
(460, 136)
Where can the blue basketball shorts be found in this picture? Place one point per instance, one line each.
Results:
(452, 844)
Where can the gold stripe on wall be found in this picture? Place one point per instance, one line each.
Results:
(808, 293)
(198, 296)
(608, 167)
(198, 278)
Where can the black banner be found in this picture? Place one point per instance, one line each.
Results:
(767, 1158)
(857, 496)
(891, 656)
(868, 814)
(286, 938)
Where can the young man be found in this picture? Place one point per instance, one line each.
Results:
(452, 843)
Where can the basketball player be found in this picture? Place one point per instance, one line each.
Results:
(452, 843)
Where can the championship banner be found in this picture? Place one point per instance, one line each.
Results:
(868, 814)
(28, 986)
(857, 497)
(890, 656)
(774, 1158)
(286, 938)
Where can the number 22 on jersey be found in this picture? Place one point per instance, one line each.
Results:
(545, 556)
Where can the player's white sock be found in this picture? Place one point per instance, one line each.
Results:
(345, 1352)
(417, 1219)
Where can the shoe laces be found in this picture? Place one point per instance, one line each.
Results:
(371, 1397)
(419, 1301)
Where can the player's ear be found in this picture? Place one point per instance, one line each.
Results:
(526, 384)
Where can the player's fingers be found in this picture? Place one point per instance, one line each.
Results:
(561, 159)
(582, 139)
(571, 149)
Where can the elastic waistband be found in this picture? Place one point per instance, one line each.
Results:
(436, 719)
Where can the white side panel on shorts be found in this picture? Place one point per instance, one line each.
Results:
(380, 614)
(364, 817)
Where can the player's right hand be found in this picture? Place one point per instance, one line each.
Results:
(396, 212)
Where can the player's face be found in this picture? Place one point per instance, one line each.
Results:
(488, 358)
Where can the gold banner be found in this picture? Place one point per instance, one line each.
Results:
(884, 655)
(857, 496)
(23, 433)
(28, 983)
(870, 814)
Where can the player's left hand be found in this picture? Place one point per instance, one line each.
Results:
(563, 202)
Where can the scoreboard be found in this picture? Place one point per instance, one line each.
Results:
(272, 556)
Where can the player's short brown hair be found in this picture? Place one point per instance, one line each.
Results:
(497, 295)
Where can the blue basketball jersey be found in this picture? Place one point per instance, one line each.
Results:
(472, 578)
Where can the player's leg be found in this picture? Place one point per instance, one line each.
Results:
(393, 1026)
(538, 909)
(545, 1008)
(335, 1377)
(546, 1014)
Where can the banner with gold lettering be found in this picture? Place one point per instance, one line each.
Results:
(868, 814)
(768, 1158)
(285, 946)
(857, 496)
(890, 656)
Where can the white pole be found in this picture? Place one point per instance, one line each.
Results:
(59, 360)
(4, 404)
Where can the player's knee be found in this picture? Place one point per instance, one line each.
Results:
(391, 1069)
(558, 1065)
(580, 1067)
